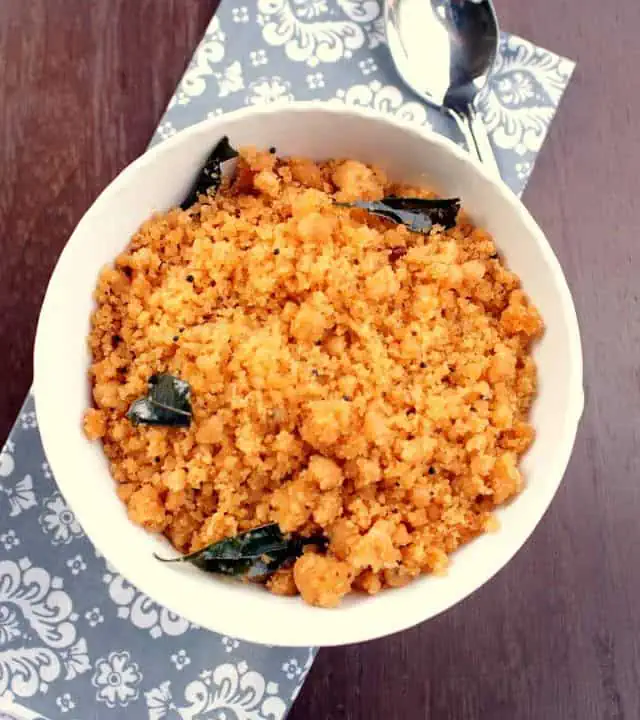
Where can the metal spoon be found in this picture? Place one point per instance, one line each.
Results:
(444, 51)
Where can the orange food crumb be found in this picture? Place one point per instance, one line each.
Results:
(322, 580)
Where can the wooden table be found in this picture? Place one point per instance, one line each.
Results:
(556, 635)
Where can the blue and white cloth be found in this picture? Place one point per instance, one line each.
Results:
(77, 641)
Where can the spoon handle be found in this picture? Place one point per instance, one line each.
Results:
(475, 133)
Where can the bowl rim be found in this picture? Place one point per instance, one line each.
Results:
(254, 630)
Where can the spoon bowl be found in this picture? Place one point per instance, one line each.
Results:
(444, 51)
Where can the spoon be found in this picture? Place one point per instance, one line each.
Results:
(444, 51)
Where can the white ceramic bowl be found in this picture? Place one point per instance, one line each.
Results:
(160, 179)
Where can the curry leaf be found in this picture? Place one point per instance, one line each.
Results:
(418, 214)
(210, 177)
(255, 554)
(168, 402)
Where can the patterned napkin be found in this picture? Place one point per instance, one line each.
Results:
(77, 641)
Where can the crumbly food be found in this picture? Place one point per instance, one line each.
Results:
(349, 377)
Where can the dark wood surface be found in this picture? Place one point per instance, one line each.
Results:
(556, 635)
